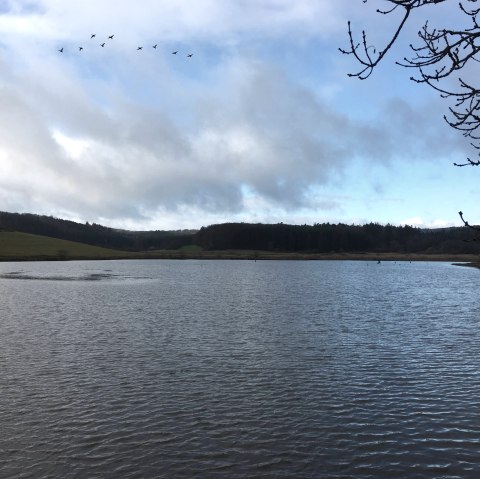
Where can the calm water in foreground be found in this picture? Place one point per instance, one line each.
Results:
(239, 369)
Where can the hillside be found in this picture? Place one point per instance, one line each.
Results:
(24, 246)
(337, 238)
(94, 234)
(278, 238)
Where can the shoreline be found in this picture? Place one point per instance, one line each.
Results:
(460, 259)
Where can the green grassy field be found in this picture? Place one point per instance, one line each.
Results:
(23, 246)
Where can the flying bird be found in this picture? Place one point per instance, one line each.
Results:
(155, 46)
(175, 52)
(61, 50)
(80, 49)
(140, 48)
(93, 35)
(111, 37)
(102, 44)
(190, 55)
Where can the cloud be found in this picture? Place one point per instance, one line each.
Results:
(432, 223)
(126, 137)
(253, 128)
(172, 20)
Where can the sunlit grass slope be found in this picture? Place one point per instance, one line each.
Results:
(15, 245)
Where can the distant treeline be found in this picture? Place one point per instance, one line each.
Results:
(326, 238)
(319, 238)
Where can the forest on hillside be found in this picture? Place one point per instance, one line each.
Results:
(94, 234)
(317, 238)
(327, 238)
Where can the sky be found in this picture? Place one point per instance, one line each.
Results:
(261, 124)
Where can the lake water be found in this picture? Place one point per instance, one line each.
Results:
(239, 369)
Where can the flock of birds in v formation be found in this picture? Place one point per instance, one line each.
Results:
(93, 35)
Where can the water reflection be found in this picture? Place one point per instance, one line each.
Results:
(86, 276)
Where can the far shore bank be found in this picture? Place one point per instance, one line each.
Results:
(470, 260)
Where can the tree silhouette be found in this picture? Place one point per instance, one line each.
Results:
(440, 53)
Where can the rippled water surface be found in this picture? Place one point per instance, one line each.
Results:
(239, 369)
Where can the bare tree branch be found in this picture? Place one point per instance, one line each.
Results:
(440, 53)
(468, 225)
(469, 163)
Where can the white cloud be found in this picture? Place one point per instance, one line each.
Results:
(173, 20)
(125, 137)
(436, 223)
(414, 221)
